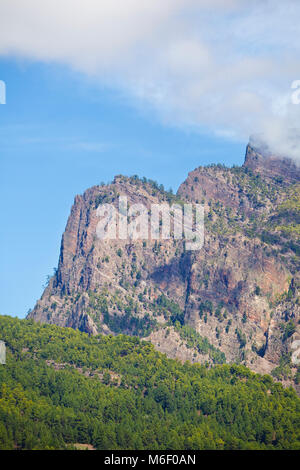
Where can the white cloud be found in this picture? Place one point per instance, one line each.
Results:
(224, 66)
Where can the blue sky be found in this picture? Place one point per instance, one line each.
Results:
(61, 133)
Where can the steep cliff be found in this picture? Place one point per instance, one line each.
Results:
(237, 296)
(262, 160)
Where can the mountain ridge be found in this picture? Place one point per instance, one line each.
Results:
(240, 291)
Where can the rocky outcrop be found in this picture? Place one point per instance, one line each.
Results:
(262, 161)
(240, 291)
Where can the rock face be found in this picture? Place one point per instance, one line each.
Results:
(262, 161)
(237, 295)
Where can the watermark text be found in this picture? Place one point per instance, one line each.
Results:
(295, 97)
(2, 92)
(160, 221)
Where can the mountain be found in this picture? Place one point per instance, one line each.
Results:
(234, 300)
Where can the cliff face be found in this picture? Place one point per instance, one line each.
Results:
(100, 282)
(238, 295)
(262, 161)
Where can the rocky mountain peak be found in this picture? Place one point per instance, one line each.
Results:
(236, 299)
(260, 159)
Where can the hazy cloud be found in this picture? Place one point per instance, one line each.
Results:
(223, 66)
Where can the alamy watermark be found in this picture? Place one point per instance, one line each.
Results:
(161, 221)
(295, 346)
(2, 353)
(295, 97)
(2, 92)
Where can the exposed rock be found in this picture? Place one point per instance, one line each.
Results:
(239, 291)
(261, 160)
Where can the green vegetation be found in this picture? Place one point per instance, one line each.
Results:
(288, 213)
(169, 309)
(241, 338)
(274, 216)
(126, 320)
(283, 371)
(288, 329)
(138, 326)
(175, 316)
(61, 387)
(104, 198)
(202, 345)
(152, 186)
(119, 252)
(282, 228)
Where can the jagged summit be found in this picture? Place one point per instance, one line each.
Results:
(260, 158)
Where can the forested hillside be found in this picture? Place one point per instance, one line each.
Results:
(61, 387)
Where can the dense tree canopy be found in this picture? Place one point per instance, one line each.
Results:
(61, 387)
